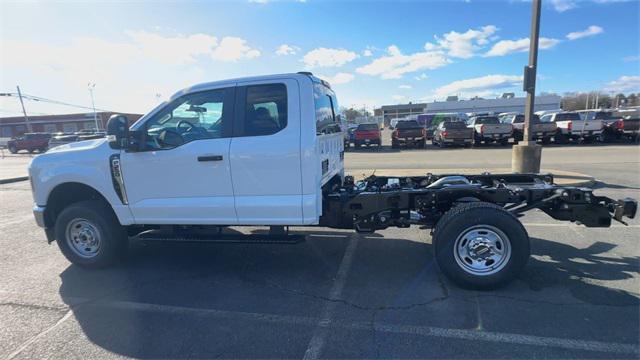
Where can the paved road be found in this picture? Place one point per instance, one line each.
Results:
(336, 294)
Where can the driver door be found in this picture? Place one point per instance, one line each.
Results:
(182, 174)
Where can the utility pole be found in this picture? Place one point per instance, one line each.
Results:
(26, 118)
(526, 157)
(92, 86)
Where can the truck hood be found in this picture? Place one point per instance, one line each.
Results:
(84, 145)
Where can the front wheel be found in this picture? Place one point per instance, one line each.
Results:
(89, 234)
(480, 245)
(13, 149)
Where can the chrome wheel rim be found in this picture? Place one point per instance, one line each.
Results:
(482, 250)
(83, 238)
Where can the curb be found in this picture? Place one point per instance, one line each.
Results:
(12, 180)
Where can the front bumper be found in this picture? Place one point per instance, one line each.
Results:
(38, 213)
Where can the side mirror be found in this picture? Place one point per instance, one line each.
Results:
(118, 132)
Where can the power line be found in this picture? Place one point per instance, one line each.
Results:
(50, 101)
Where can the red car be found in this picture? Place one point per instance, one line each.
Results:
(367, 134)
(30, 142)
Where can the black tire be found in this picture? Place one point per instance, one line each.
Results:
(546, 140)
(113, 240)
(461, 220)
(606, 137)
(504, 142)
(560, 138)
(394, 144)
(12, 149)
(441, 144)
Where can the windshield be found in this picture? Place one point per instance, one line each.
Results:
(407, 124)
(368, 127)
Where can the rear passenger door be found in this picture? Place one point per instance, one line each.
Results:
(265, 153)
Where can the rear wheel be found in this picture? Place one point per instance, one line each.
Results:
(394, 144)
(480, 245)
(546, 140)
(89, 234)
(560, 138)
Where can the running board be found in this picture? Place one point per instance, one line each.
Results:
(154, 235)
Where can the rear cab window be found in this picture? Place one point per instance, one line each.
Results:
(265, 109)
(487, 120)
(368, 127)
(567, 116)
(454, 125)
(407, 124)
(326, 106)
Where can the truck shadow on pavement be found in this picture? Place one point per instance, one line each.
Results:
(115, 307)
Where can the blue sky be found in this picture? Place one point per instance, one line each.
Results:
(373, 53)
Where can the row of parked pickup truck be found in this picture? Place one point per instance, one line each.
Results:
(559, 127)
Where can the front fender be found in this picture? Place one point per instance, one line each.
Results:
(47, 175)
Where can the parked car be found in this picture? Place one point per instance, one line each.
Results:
(542, 131)
(452, 133)
(367, 134)
(572, 127)
(630, 123)
(30, 142)
(408, 133)
(613, 124)
(488, 128)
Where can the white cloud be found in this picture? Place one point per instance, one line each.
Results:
(398, 97)
(463, 45)
(480, 86)
(505, 47)
(323, 57)
(422, 76)
(286, 49)
(631, 58)
(233, 49)
(395, 64)
(404, 86)
(367, 53)
(339, 78)
(183, 48)
(563, 5)
(624, 84)
(590, 31)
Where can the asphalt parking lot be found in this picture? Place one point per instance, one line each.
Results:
(335, 294)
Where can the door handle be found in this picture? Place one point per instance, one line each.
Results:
(210, 158)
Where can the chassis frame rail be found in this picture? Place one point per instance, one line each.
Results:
(378, 202)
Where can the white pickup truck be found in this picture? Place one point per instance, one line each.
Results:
(489, 129)
(572, 127)
(269, 151)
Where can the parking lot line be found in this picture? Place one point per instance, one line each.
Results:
(314, 349)
(415, 330)
(40, 335)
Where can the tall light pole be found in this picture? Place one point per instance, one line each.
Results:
(526, 157)
(91, 87)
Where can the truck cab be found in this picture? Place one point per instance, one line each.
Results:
(250, 151)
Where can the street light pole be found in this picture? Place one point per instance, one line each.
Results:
(95, 115)
(526, 157)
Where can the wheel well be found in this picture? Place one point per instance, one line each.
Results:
(66, 194)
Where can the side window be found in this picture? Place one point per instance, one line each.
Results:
(191, 117)
(265, 109)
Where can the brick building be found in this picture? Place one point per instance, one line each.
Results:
(68, 123)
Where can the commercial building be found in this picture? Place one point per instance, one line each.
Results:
(68, 123)
(506, 103)
(389, 112)
(500, 105)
